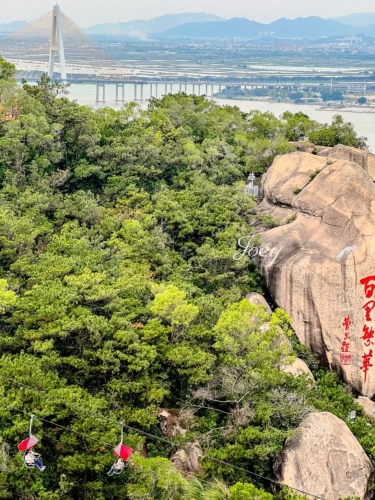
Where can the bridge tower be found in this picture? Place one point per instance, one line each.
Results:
(57, 45)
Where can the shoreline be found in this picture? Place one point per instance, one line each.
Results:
(341, 109)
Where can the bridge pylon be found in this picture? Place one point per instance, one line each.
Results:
(57, 45)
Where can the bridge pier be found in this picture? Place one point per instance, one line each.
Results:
(100, 86)
(166, 89)
(122, 87)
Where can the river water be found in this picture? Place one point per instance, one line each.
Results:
(364, 122)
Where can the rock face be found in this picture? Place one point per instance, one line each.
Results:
(320, 258)
(298, 368)
(359, 156)
(326, 460)
(187, 460)
(304, 146)
(368, 406)
(324, 152)
(371, 166)
(170, 424)
(365, 159)
(258, 300)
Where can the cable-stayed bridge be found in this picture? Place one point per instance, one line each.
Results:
(54, 44)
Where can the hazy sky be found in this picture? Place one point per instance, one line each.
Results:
(88, 12)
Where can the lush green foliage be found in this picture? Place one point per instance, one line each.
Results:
(119, 296)
(7, 70)
(335, 95)
(299, 126)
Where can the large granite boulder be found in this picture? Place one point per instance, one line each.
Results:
(368, 406)
(365, 159)
(258, 300)
(342, 152)
(319, 261)
(326, 460)
(297, 369)
(371, 165)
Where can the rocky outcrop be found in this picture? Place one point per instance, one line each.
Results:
(320, 258)
(325, 460)
(298, 368)
(368, 406)
(258, 300)
(170, 424)
(323, 151)
(358, 156)
(187, 460)
(303, 146)
(363, 158)
(371, 165)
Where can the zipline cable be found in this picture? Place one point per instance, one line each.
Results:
(102, 443)
(144, 433)
(88, 412)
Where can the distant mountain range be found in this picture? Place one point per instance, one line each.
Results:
(143, 29)
(360, 19)
(208, 26)
(9, 27)
(309, 27)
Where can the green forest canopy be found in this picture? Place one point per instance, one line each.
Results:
(119, 296)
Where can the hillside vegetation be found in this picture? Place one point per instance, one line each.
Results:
(119, 296)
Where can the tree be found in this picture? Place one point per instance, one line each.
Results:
(119, 296)
(339, 132)
(362, 100)
(335, 95)
(45, 90)
(7, 70)
(7, 297)
(297, 125)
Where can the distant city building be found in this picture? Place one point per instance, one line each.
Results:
(358, 88)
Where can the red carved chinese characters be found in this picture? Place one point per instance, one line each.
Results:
(346, 323)
(345, 356)
(368, 308)
(368, 332)
(369, 288)
(366, 365)
(368, 336)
